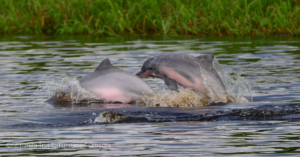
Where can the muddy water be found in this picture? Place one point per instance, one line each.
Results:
(30, 126)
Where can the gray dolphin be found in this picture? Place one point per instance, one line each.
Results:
(191, 72)
(110, 83)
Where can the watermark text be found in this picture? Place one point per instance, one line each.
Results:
(58, 145)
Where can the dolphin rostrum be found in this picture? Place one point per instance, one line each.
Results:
(112, 84)
(191, 72)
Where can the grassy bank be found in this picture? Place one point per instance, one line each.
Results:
(143, 17)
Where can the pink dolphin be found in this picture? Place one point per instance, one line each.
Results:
(191, 72)
(112, 84)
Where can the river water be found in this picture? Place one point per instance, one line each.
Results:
(31, 67)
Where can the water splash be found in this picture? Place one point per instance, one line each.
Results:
(183, 98)
(68, 89)
(236, 85)
(110, 117)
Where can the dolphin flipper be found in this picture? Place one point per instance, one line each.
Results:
(172, 84)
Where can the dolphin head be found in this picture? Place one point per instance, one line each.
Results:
(150, 69)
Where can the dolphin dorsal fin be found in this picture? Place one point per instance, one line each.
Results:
(206, 61)
(105, 64)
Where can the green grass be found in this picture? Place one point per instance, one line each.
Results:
(144, 17)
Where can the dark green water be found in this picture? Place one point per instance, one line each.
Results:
(270, 65)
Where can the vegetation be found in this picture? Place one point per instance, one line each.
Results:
(144, 17)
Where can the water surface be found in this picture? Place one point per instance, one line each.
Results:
(270, 65)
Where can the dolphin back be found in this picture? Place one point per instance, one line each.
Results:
(213, 81)
(206, 61)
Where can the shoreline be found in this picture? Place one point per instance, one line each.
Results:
(158, 17)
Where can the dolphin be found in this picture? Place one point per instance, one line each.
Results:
(112, 84)
(196, 73)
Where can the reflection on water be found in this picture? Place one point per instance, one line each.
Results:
(161, 139)
(270, 65)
